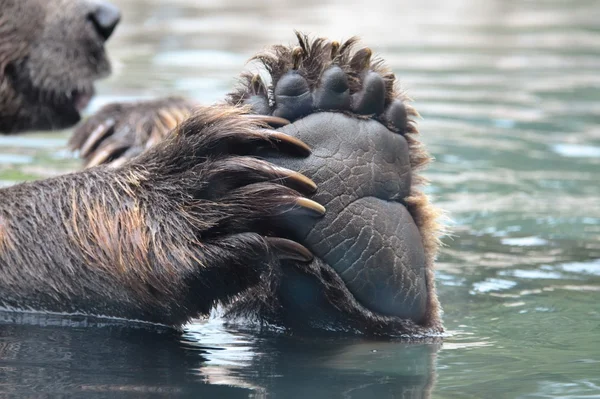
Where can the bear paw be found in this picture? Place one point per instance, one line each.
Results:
(374, 249)
(120, 131)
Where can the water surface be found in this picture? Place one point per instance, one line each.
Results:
(510, 97)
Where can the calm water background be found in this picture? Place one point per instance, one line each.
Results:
(510, 95)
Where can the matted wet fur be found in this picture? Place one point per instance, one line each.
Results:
(190, 223)
(51, 52)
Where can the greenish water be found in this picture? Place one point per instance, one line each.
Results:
(510, 96)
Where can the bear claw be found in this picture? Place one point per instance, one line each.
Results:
(121, 131)
(310, 205)
(272, 121)
(290, 250)
(289, 143)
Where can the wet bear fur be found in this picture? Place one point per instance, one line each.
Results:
(191, 223)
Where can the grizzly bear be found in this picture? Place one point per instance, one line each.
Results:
(51, 52)
(216, 211)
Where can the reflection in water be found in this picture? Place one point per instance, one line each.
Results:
(56, 361)
(509, 91)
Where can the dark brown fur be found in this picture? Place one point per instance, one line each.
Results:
(50, 55)
(161, 239)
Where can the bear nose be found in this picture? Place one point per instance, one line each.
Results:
(105, 18)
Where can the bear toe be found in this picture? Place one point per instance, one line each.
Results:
(333, 91)
(370, 100)
(397, 116)
(292, 96)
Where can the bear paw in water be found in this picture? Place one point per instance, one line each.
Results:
(121, 131)
(374, 248)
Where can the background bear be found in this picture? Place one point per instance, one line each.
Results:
(51, 52)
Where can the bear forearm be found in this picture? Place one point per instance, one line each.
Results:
(96, 242)
(192, 222)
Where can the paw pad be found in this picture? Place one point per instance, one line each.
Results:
(323, 75)
(379, 232)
